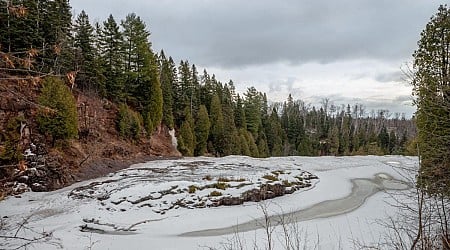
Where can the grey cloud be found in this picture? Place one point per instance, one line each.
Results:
(282, 84)
(235, 33)
(396, 76)
(404, 99)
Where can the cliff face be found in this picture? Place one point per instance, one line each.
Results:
(97, 151)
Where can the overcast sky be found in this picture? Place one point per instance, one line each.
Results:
(350, 51)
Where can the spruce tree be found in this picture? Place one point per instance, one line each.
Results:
(155, 104)
(245, 150)
(252, 110)
(263, 149)
(202, 127)
(239, 114)
(137, 54)
(98, 69)
(167, 78)
(84, 34)
(275, 134)
(186, 137)
(185, 85)
(112, 53)
(57, 26)
(217, 125)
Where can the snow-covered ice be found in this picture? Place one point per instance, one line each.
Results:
(155, 205)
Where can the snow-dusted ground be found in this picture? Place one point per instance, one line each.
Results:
(166, 204)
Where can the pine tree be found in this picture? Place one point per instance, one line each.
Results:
(201, 131)
(251, 144)
(334, 141)
(245, 150)
(57, 26)
(186, 137)
(185, 84)
(206, 90)
(217, 125)
(137, 53)
(263, 149)
(229, 126)
(142, 74)
(112, 52)
(37, 27)
(167, 78)
(239, 114)
(432, 90)
(98, 69)
(275, 134)
(155, 105)
(252, 110)
(84, 34)
(18, 23)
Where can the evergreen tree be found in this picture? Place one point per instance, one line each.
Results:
(128, 123)
(59, 118)
(245, 150)
(263, 149)
(155, 105)
(111, 42)
(251, 144)
(432, 90)
(186, 138)
(229, 127)
(201, 131)
(142, 74)
(57, 26)
(252, 110)
(185, 94)
(84, 34)
(217, 125)
(98, 69)
(383, 139)
(334, 141)
(12, 152)
(239, 119)
(392, 142)
(206, 90)
(275, 134)
(167, 78)
(41, 28)
(137, 54)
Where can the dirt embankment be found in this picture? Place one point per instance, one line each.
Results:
(98, 150)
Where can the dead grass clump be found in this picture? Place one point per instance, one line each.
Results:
(215, 193)
(270, 177)
(192, 189)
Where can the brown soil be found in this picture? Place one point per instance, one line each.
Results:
(99, 150)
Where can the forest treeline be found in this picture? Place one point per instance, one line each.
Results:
(115, 60)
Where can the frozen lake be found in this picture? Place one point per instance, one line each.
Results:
(171, 205)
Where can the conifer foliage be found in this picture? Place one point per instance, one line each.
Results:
(432, 90)
(59, 117)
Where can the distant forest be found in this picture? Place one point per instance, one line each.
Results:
(114, 60)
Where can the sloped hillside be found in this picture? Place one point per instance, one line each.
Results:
(30, 161)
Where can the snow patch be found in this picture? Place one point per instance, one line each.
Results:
(108, 216)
